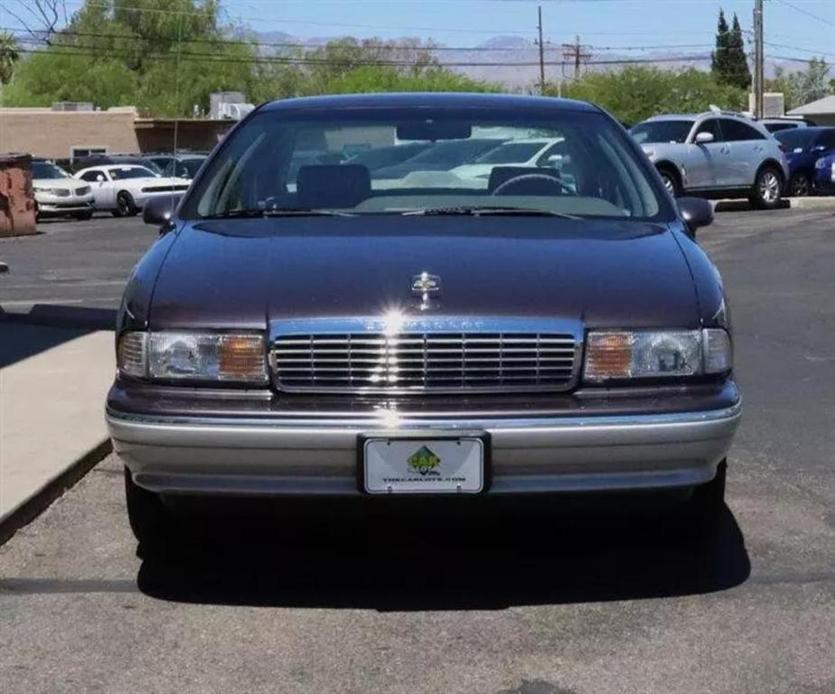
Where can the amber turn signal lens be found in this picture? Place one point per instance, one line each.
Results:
(241, 357)
(609, 355)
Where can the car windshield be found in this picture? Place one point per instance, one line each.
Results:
(799, 138)
(662, 131)
(121, 173)
(46, 169)
(267, 166)
(511, 152)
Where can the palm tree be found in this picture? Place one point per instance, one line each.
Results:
(9, 55)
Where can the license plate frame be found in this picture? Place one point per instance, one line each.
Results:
(418, 439)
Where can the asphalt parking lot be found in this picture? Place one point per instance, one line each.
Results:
(585, 602)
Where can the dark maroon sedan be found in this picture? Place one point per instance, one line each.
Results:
(309, 329)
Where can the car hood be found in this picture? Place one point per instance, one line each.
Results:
(245, 273)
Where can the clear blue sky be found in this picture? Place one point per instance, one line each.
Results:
(598, 22)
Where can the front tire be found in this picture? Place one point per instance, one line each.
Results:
(150, 520)
(705, 507)
(670, 180)
(800, 186)
(768, 189)
(125, 206)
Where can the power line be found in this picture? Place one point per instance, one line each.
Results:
(576, 53)
(90, 51)
(382, 46)
(806, 12)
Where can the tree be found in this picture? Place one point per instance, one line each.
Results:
(729, 65)
(804, 86)
(739, 74)
(813, 83)
(638, 92)
(9, 55)
(718, 59)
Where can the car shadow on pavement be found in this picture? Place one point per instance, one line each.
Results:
(446, 561)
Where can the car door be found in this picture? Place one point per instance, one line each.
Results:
(747, 150)
(707, 161)
(97, 187)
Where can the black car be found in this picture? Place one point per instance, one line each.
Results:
(330, 335)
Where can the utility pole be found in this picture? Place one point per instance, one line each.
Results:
(759, 60)
(576, 53)
(541, 55)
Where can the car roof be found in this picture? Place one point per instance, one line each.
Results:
(441, 100)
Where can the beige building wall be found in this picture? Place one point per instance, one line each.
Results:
(42, 132)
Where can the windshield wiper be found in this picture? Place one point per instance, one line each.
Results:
(278, 212)
(489, 210)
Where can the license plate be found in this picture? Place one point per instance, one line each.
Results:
(453, 465)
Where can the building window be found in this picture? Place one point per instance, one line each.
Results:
(83, 151)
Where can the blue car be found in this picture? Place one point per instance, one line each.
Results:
(803, 147)
(824, 181)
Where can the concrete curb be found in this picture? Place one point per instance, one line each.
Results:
(32, 507)
(826, 202)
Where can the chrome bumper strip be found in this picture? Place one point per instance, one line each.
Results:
(317, 456)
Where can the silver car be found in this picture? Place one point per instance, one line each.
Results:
(715, 154)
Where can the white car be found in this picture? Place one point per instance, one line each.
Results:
(57, 194)
(123, 189)
(531, 152)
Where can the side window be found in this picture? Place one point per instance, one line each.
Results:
(91, 176)
(711, 125)
(737, 131)
(827, 139)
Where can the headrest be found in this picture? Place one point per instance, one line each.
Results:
(333, 185)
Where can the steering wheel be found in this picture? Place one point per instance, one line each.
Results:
(537, 179)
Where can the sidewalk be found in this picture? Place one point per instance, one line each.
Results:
(53, 383)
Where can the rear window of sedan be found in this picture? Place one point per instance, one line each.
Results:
(280, 161)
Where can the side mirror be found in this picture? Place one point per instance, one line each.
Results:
(159, 211)
(704, 138)
(100, 178)
(696, 212)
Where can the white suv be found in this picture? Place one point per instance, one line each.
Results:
(715, 154)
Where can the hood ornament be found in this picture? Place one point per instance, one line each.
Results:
(427, 287)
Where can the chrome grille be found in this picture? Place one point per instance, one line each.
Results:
(424, 362)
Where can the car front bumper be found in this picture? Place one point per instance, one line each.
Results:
(316, 456)
(49, 204)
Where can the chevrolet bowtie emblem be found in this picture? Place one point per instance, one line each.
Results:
(424, 284)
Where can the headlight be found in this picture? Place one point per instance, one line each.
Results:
(820, 163)
(41, 189)
(229, 357)
(617, 354)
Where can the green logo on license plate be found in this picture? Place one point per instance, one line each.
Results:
(424, 461)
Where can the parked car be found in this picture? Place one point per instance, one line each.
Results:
(124, 190)
(441, 156)
(824, 181)
(180, 165)
(715, 154)
(57, 194)
(775, 125)
(104, 159)
(803, 147)
(379, 157)
(339, 339)
(522, 152)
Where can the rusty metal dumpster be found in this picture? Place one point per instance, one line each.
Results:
(17, 201)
